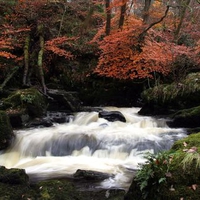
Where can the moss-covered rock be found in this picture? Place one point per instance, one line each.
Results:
(14, 185)
(175, 96)
(23, 104)
(171, 175)
(6, 132)
(188, 118)
(13, 176)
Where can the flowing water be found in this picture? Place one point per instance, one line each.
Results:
(90, 143)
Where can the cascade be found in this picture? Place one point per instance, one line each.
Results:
(90, 143)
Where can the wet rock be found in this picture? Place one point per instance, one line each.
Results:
(6, 133)
(62, 100)
(187, 118)
(23, 105)
(39, 122)
(60, 117)
(13, 176)
(91, 175)
(112, 116)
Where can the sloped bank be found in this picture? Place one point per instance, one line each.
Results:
(180, 102)
(166, 99)
(170, 175)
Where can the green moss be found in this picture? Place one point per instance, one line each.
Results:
(192, 141)
(172, 175)
(30, 99)
(56, 189)
(185, 93)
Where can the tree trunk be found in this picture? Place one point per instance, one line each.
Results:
(26, 59)
(108, 17)
(122, 14)
(146, 11)
(182, 16)
(40, 57)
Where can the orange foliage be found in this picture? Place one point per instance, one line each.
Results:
(124, 55)
(54, 45)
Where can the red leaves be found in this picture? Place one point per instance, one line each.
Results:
(124, 57)
(55, 45)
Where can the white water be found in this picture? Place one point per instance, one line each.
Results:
(90, 143)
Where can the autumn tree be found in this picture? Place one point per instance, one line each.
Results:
(31, 28)
(144, 46)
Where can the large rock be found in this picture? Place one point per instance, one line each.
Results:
(187, 118)
(21, 105)
(6, 132)
(62, 100)
(112, 116)
(13, 176)
(168, 98)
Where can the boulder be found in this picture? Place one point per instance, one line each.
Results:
(62, 100)
(6, 133)
(187, 118)
(13, 176)
(21, 105)
(112, 116)
(169, 98)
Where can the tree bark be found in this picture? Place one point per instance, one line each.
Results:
(108, 17)
(122, 14)
(40, 57)
(26, 59)
(182, 16)
(146, 11)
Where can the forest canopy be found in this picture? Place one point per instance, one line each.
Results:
(120, 39)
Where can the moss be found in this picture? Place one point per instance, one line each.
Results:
(29, 99)
(184, 94)
(14, 185)
(56, 189)
(6, 132)
(191, 141)
(181, 175)
(13, 176)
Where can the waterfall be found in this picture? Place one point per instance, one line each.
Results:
(90, 143)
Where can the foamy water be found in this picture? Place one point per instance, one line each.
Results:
(90, 143)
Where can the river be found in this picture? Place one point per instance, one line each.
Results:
(88, 142)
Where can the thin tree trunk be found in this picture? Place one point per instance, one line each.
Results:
(40, 57)
(108, 17)
(182, 16)
(122, 14)
(62, 19)
(26, 59)
(146, 11)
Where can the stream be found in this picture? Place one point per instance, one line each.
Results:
(88, 142)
